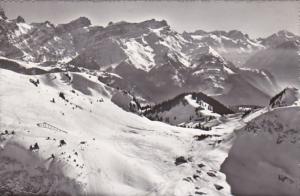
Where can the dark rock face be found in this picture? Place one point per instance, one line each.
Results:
(278, 38)
(20, 19)
(286, 97)
(81, 22)
(180, 160)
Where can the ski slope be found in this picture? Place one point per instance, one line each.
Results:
(105, 150)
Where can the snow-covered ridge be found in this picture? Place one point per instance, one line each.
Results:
(287, 97)
(188, 110)
(265, 155)
(264, 159)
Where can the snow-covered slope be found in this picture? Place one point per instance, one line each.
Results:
(142, 45)
(83, 144)
(189, 110)
(264, 158)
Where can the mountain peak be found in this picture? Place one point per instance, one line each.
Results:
(80, 22)
(285, 33)
(288, 96)
(20, 19)
(236, 34)
(74, 24)
(153, 23)
(199, 32)
(279, 38)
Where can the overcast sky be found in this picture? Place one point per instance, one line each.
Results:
(258, 19)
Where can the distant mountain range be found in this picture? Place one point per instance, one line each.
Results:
(155, 63)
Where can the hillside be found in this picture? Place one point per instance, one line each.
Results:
(188, 110)
(67, 125)
(265, 155)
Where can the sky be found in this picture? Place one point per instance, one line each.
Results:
(257, 18)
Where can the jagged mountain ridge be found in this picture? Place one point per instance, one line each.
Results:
(162, 60)
(278, 38)
(233, 45)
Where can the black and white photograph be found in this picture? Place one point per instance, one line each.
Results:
(149, 98)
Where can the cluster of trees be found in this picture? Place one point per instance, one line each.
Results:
(156, 117)
(202, 127)
(100, 100)
(217, 107)
(35, 82)
(68, 76)
(61, 143)
(7, 133)
(160, 118)
(166, 105)
(62, 95)
(34, 147)
(135, 106)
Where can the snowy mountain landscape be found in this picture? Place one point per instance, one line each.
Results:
(163, 61)
(140, 109)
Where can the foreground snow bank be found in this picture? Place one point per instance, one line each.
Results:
(265, 157)
(25, 173)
